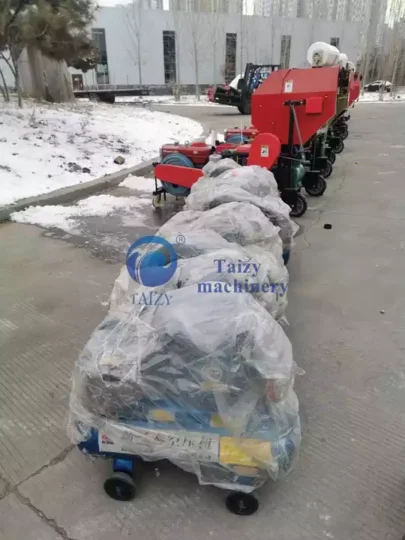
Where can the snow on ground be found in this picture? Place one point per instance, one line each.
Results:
(141, 183)
(44, 147)
(168, 100)
(372, 97)
(67, 218)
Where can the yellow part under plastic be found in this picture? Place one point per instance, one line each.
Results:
(245, 452)
(161, 415)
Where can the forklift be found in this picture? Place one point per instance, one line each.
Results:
(241, 97)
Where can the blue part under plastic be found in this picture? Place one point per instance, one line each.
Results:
(182, 161)
(123, 465)
(237, 138)
(286, 256)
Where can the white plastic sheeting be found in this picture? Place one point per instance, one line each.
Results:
(198, 370)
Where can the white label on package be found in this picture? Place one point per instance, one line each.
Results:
(160, 444)
(288, 87)
(264, 152)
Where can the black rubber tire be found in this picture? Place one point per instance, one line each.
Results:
(344, 133)
(300, 207)
(242, 504)
(120, 487)
(327, 170)
(320, 188)
(245, 107)
(339, 147)
(94, 97)
(332, 156)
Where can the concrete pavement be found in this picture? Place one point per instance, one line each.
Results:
(347, 327)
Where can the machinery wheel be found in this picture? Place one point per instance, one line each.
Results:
(300, 206)
(245, 107)
(344, 133)
(319, 189)
(331, 157)
(339, 147)
(327, 170)
(242, 504)
(182, 161)
(94, 97)
(157, 201)
(120, 486)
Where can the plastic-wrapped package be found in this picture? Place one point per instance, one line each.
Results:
(236, 271)
(204, 256)
(241, 223)
(161, 381)
(322, 54)
(274, 208)
(216, 165)
(253, 179)
(185, 243)
(343, 59)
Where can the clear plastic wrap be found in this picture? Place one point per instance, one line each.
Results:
(186, 244)
(204, 381)
(322, 54)
(205, 257)
(216, 165)
(274, 208)
(253, 179)
(240, 223)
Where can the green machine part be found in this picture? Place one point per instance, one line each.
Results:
(297, 175)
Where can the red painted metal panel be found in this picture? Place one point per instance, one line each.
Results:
(264, 150)
(270, 115)
(354, 90)
(180, 176)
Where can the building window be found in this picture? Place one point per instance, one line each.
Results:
(169, 56)
(98, 36)
(285, 51)
(335, 41)
(230, 57)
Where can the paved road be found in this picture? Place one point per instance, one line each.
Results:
(347, 315)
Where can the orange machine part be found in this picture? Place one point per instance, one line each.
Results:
(318, 86)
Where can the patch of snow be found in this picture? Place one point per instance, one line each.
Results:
(167, 100)
(374, 97)
(49, 146)
(140, 183)
(67, 217)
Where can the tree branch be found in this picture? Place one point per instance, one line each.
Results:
(8, 63)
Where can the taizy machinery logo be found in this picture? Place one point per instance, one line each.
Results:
(244, 274)
(152, 268)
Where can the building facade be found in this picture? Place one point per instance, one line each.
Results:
(206, 6)
(186, 47)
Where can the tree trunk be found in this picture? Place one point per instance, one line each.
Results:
(197, 85)
(139, 64)
(14, 59)
(4, 88)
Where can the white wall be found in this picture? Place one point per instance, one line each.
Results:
(258, 41)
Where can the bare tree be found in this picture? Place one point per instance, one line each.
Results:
(215, 33)
(194, 31)
(133, 14)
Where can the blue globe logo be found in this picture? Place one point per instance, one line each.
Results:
(155, 268)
